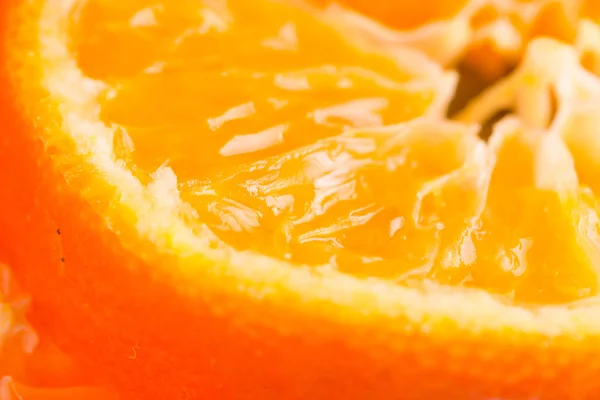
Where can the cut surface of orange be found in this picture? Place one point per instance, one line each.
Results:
(237, 200)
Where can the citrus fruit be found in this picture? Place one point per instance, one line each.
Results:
(243, 200)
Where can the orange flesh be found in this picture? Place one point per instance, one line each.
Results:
(498, 31)
(254, 129)
(192, 93)
(404, 14)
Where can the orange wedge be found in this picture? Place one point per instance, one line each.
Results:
(235, 200)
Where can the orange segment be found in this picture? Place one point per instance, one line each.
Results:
(405, 14)
(441, 31)
(219, 199)
(238, 83)
(550, 89)
(332, 202)
(539, 234)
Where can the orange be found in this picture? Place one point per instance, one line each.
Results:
(235, 200)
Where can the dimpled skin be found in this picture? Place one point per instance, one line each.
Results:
(152, 318)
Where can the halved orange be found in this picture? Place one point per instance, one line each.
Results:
(233, 200)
